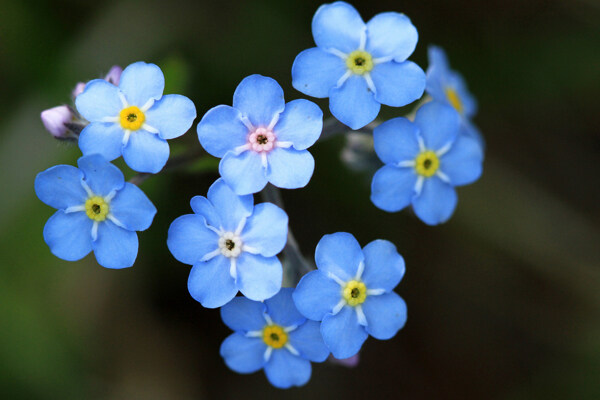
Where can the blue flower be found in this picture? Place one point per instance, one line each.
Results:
(133, 119)
(424, 161)
(448, 86)
(232, 246)
(352, 292)
(261, 138)
(97, 210)
(359, 66)
(272, 335)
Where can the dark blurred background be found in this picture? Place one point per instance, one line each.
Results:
(503, 300)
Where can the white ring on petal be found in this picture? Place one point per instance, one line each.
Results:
(291, 349)
(247, 122)
(284, 145)
(363, 39)
(87, 188)
(268, 352)
(375, 292)
(263, 159)
(126, 137)
(115, 221)
(444, 149)
(211, 255)
(254, 334)
(73, 209)
(335, 278)
(338, 307)
(406, 163)
(147, 106)
(344, 78)
(338, 53)
(233, 268)
(419, 184)
(442, 176)
(149, 128)
(110, 119)
(370, 83)
(123, 99)
(421, 144)
(290, 328)
(361, 269)
(251, 250)
(360, 315)
(267, 318)
(95, 231)
(273, 122)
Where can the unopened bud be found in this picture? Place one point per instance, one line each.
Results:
(78, 89)
(349, 362)
(55, 120)
(114, 75)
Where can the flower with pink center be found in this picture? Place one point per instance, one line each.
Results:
(262, 139)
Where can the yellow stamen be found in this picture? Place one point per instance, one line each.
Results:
(359, 62)
(454, 99)
(96, 208)
(427, 163)
(355, 293)
(132, 118)
(274, 336)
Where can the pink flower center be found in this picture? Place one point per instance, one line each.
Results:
(261, 139)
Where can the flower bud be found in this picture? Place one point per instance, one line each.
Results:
(78, 89)
(349, 362)
(54, 120)
(114, 75)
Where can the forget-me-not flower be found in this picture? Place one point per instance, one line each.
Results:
(359, 66)
(97, 210)
(352, 292)
(424, 161)
(272, 336)
(134, 118)
(261, 138)
(232, 246)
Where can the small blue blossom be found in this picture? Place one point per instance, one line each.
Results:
(97, 210)
(359, 66)
(133, 119)
(352, 292)
(261, 138)
(424, 161)
(272, 336)
(232, 246)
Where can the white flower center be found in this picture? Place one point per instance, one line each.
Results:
(230, 245)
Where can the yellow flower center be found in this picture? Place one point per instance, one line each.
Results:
(454, 99)
(359, 62)
(274, 336)
(96, 208)
(355, 293)
(427, 163)
(132, 118)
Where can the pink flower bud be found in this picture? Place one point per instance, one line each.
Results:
(78, 89)
(349, 362)
(54, 119)
(114, 75)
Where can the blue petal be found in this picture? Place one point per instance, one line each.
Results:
(437, 57)
(393, 188)
(391, 34)
(132, 208)
(438, 124)
(105, 138)
(290, 168)
(259, 277)
(241, 314)
(259, 98)
(398, 84)
(316, 294)
(338, 26)
(210, 283)
(221, 129)
(203, 207)
(266, 229)
(69, 235)
(386, 315)
(436, 203)
(342, 333)
(230, 207)
(242, 354)
(308, 341)
(282, 310)
(316, 71)
(463, 162)
(60, 187)
(243, 172)
(300, 123)
(189, 239)
(285, 370)
(99, 100)
(470, 130)
(141, 82)
(172, 115)
(354, 103)
(115, 247)
(146, 152)
(339, 254)
(100, 175)
(384, 267)
(395, 140)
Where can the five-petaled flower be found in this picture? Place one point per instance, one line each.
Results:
(232, 246)
(272, 335)
(133, 119)
(352, 292)
(97, 210)
(261, 138)
(424, 160)
(359, 66)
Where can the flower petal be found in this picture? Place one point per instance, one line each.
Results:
(141, 82)
(69, 235)
(386, 315)
(210, 283)
(391, 34)
(436, 203)
(241, 314)
(316, 295)
(290, 168)
(266, 229)
(100, 175)
(463, 162)
(354, 103)
(105, 138)
(132, 208)
(342, 333)
(221, 129)
(99, 100)
(146, 152)
(339, 254)
(242, 354)
(204, 208)
(398, 84)
(393, 188)
(115, 247)
(438, 124)
(282, 310)
(300, 123)
(285, 370)
(243, 172)
(259, 277)
(395, 140)
(189, 239)
(60, 187)
(338, 26)
(384, 267)
(230, 207)
(172, 115)
(308, 341)
(259, 98)
(316, 71)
